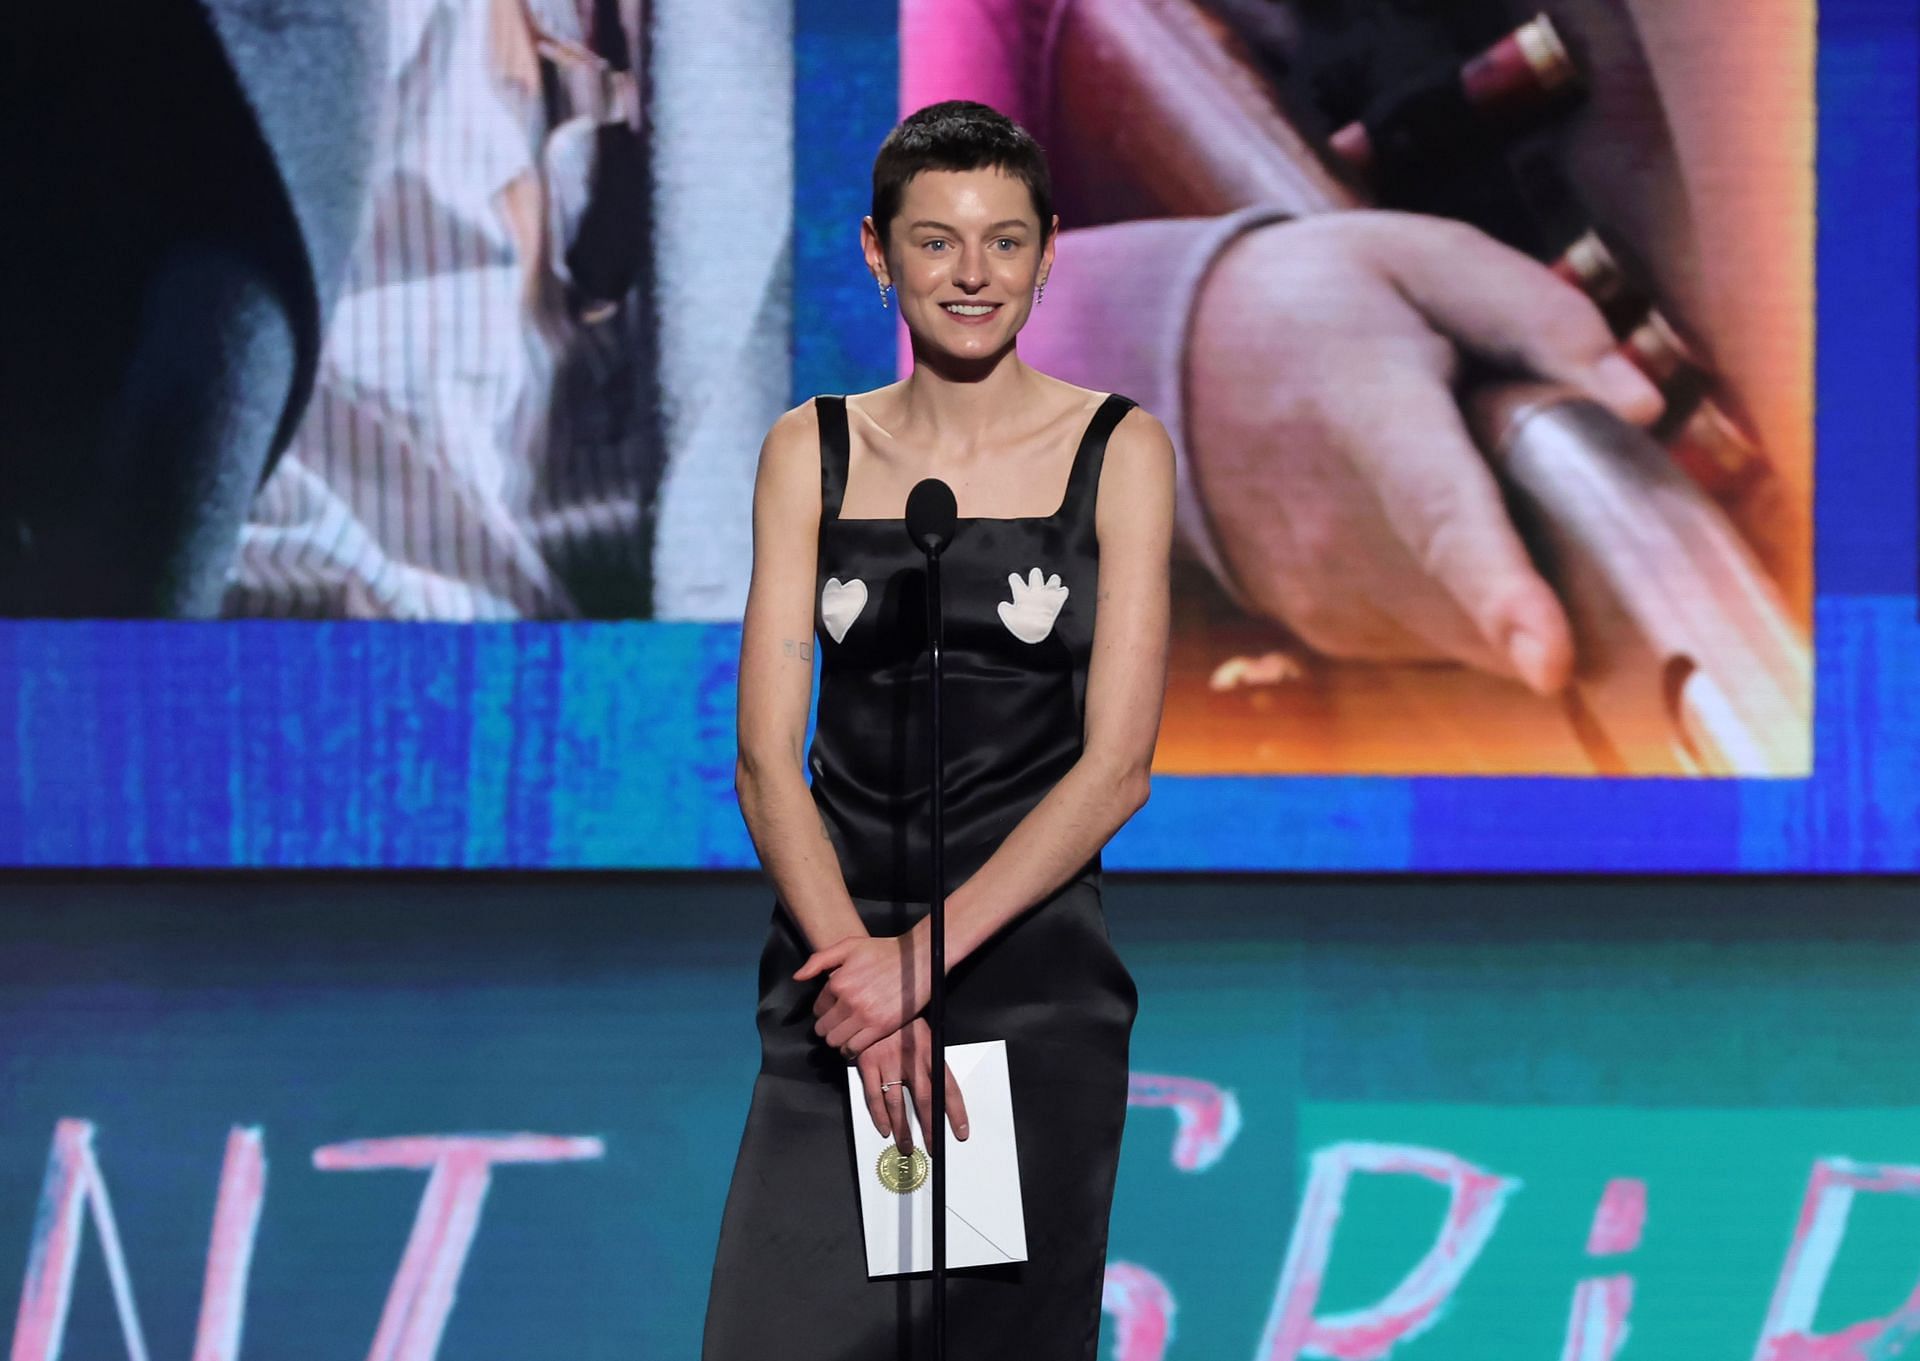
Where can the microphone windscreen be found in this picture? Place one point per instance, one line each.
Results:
(932, 515)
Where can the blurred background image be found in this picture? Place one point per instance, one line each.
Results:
(421, 260)
(1409, 516)
(1485, 333)
(520, 316)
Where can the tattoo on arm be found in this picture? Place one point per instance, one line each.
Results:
(801, 648)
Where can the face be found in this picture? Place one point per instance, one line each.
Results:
(964, 256)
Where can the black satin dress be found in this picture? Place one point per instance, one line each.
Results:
(790, 1278)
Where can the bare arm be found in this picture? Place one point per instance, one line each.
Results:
(776, 687)
(1126, 683)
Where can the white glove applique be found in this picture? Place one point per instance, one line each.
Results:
(1035, 605)
(840, 604)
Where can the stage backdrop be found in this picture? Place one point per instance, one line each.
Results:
(484, 611)
(1452, 1120)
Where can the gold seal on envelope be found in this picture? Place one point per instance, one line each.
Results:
(901, 1173)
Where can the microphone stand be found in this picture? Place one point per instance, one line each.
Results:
(931, 522)
(937, 1003)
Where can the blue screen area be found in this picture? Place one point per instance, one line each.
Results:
(263, 743)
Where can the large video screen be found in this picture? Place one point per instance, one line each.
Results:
(1522, 524)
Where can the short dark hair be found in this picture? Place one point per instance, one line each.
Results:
(958, 134)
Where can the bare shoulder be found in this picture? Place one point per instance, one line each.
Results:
(1140, 430)
(1141, 446)
(797, 429)
(1136, 477)
(790, 451)
(787, 484)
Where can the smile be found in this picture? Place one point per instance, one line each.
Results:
(967, 309)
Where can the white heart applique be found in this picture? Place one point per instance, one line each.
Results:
(1035, 605)
(840, 604)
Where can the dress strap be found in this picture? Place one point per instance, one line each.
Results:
(835, 450)
(1083, 483)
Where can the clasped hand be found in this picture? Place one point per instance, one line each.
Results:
(875, 985)
(869, 1009)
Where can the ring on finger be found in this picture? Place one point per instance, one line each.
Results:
(898, 1082)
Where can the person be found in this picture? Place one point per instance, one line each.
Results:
(1056, 624)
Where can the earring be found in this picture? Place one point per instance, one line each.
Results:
(1040, 293)
(883, 293)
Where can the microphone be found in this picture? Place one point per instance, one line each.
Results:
(932, 516)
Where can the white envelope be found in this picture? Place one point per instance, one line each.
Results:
(986, 1224)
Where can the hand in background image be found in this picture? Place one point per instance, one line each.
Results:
(1227, 260)
(1346, 495)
